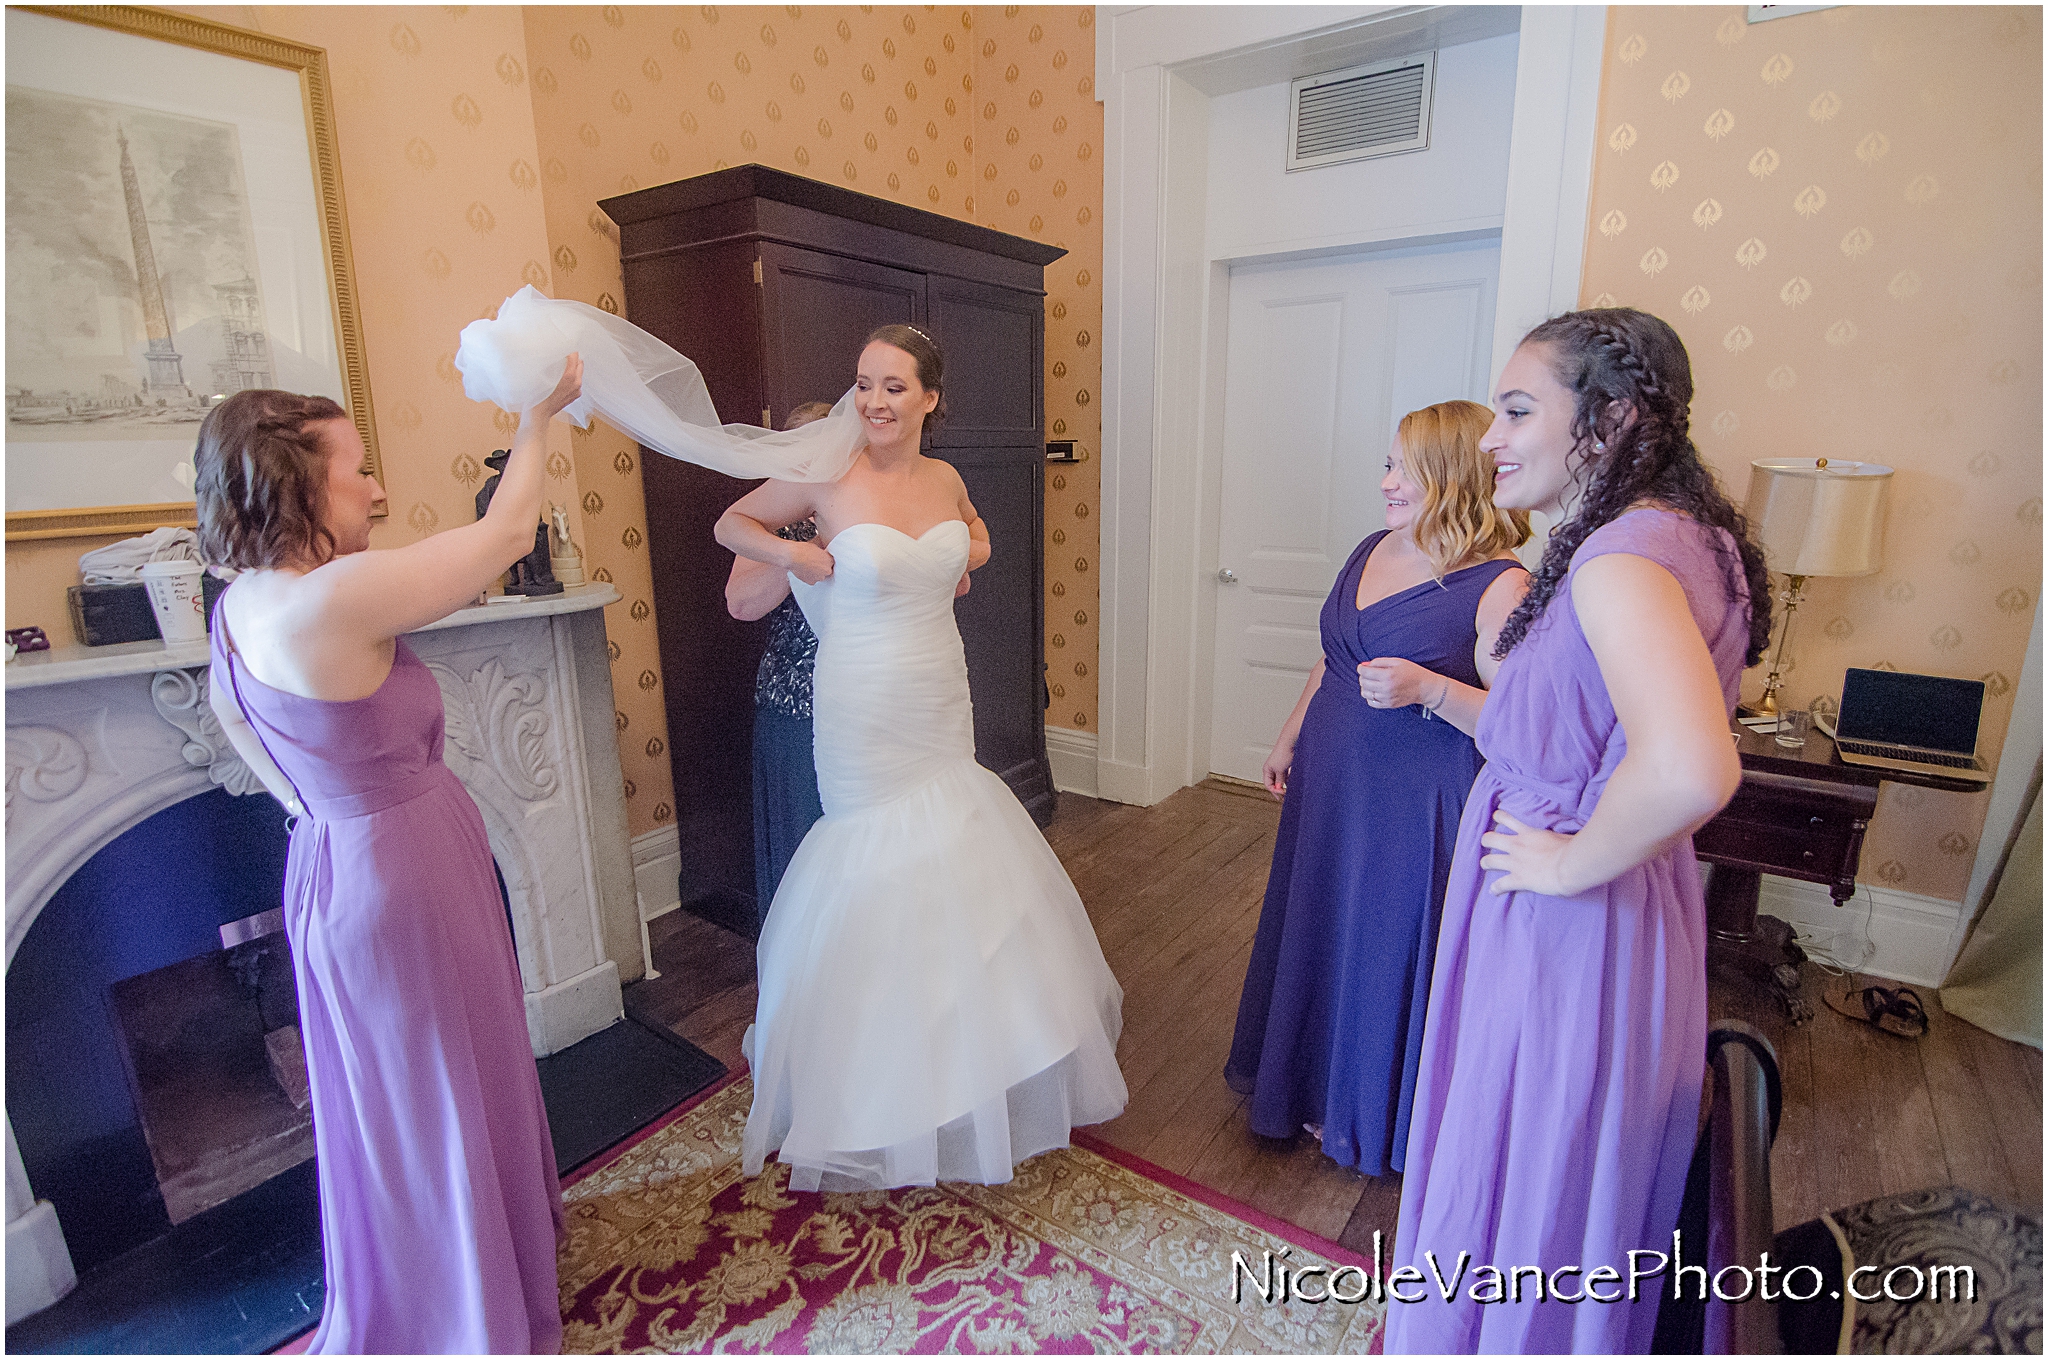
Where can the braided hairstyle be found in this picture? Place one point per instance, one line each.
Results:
(1632, 382)
(262, 481)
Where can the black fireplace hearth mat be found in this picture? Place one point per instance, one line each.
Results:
(242, 1277)
(613, 1084)
(245, 1277)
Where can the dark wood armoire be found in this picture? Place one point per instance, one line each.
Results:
(770, 282)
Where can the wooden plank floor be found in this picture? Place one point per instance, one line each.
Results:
(1174, 892)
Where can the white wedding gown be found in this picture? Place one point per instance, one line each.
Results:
(933, 1001)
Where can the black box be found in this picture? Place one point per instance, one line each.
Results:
(102, 615)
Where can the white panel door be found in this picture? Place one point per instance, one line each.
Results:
(1324, 359)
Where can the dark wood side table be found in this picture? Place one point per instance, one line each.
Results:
(1799, 814)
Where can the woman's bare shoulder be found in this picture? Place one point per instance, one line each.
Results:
(940, 470)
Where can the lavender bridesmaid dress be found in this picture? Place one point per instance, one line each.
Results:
(1559, 1091)
(439, 1204)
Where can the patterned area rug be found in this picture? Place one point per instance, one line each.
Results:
(672, 1249)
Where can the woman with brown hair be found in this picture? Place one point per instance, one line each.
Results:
(933, 1002)
(1374, 765)
(1558, 1100)
(439, 1205)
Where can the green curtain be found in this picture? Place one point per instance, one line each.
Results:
(1996, 981)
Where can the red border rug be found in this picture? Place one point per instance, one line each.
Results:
(1088, 1249)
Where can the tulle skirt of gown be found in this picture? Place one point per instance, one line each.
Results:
(933, 1001)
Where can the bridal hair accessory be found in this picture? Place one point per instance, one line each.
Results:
(920, 335)
(641, 387)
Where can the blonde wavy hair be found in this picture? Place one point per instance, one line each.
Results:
(1458, 520)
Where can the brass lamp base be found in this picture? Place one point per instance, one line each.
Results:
(1790, 600)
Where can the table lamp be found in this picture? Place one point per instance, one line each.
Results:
(1814, 517)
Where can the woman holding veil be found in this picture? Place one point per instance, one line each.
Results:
(439, 1206)
(933, 1001)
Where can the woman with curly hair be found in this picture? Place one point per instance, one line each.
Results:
(1374, 765)
(1558, 1098)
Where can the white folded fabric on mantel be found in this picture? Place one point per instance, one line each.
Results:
(643, 388)
(120, 564)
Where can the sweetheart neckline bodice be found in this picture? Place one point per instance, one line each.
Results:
(877, 524)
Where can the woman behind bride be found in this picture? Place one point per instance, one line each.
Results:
(933, 1002)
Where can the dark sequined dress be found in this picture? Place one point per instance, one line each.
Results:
(785, 773)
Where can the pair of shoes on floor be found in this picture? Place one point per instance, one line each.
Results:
(1895, 1010)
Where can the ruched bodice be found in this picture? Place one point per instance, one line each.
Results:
(1551, 771)
(355, 756)
(888, 647)
(1429, 623)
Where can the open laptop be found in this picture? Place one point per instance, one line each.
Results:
(1920, 724)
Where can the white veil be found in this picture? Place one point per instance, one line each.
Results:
(641, 387)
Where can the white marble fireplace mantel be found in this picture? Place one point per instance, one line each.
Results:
(101, 738)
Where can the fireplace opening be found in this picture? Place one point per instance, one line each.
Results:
(154, 897)
(155, 1067)
(218, 1071)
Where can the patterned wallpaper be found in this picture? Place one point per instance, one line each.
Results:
(445, 217)
(986, 114)
(437, 156)
(1841, 214)
(476, 141)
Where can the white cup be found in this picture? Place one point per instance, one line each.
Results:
(177, 598)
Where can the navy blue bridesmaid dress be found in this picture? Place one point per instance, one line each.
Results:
(786, 798)
(1329, 1029)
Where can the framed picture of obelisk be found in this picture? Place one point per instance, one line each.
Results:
(175, 234)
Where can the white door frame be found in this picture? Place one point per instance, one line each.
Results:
(1165, 305)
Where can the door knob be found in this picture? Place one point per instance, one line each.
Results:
(1226, 576)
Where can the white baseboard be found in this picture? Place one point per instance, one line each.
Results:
(1073, 760)
(657, 865)
(1913, 938)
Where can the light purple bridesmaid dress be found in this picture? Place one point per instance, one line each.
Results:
(439, 1204)
(1559, 1095)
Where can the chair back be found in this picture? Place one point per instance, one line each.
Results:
(1726, 1212)
(1743, 1123)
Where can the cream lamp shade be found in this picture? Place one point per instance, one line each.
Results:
(1817, 516)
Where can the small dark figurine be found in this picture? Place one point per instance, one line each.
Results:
(496, 463)
(531, 574)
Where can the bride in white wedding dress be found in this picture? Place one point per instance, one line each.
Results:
(933, 1001)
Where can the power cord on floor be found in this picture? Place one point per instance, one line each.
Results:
(1824, 956)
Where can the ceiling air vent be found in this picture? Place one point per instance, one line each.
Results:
(1375, 110)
